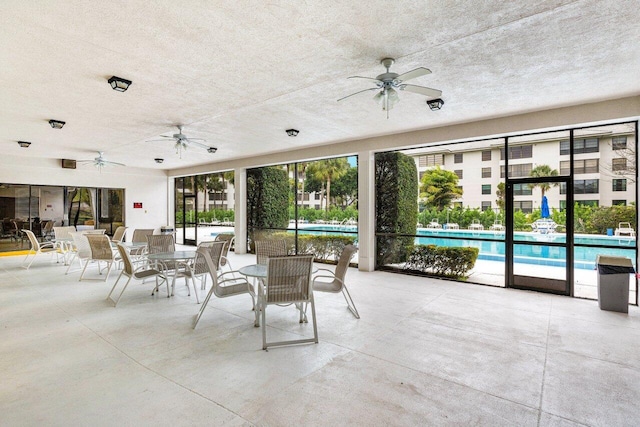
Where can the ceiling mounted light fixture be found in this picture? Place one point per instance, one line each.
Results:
(57, 124)
(293, 132)
(119, 84)
(212, 150)
(24, 144)
(435, 104)
(159, 160)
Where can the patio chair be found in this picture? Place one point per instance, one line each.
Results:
(288, 281)
(47, 230)
(141, 272)
(100, 252)
(476, 225)
(37, 248)
(625, 229)
(95, 231)
(334, 282)
(80, 249)
(269, 248)
(224, 285)
(118, 236)
(199, 268)
(140, 236)
(224, 258)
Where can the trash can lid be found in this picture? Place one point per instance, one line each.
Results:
(614, 260)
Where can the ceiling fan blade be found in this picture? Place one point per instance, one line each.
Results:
(366, 78)
(194, 139)
(365, 90)
(85, 162)
(156, 140)
(426, 91)
(107, 162)
(196, 143)
(418, 72)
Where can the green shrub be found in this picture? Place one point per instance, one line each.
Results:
(396, 206)
(324, 248)
(442, 260)
(267, 199)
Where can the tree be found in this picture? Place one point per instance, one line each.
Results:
(326, 171)
(543, 171)
(345, 188)
(626, 168)
(439, 187)
(500, 193)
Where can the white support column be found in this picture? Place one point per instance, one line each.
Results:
(366, 211)
(240, 184)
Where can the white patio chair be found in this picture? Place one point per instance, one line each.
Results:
(288, 281)
(37, 248)
(118, 236)
(80, 250)
(140, 272)
(224, 257)
(269, 248)
(334, 282)
(625, 229)
(100, 252)
(223, 285)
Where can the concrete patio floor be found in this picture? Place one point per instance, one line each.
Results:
(425, 352)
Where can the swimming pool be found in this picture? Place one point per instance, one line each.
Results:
(492, 247)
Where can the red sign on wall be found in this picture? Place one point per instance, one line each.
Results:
(137, 205)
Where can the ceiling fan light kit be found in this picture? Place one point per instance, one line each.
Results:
(388, 84)
(435, 104)
(56, 124)
(24, 144)
(292, 132)
(119, 84)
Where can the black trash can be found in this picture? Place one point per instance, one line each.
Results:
(613, 282)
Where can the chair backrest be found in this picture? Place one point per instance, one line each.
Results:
(266, 249)
(63, 232)
(35, 245)
(83, 250)
(119, 234)
(160, 243)
(96, 231)
(343, 262)
(289, 279)
(48, 226)
(140, 235)
(215, 250)
(100, 246)
(229, 238)
(126, 260)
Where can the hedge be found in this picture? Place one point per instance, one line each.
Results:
(442, 260)
(267, 199)
(324, 248)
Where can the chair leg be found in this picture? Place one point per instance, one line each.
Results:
(83, 270)
(32, 259)
(313, 315)
(75, 255)
(202, 307)
(121, 292)
(114, 286)
(195, 290)
(350, 303)
(264, 324)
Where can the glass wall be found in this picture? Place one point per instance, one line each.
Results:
(204, 206)
(319, 212)
(39, 207)
(570, 194)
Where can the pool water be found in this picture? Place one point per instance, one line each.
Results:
(493, 248)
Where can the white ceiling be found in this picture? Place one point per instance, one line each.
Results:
(239, 73)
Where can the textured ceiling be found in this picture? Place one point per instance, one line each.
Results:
(239, 73)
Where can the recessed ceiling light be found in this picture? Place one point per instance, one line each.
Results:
(24, 144)
(57, 124)
(119, 84)
(293, 132)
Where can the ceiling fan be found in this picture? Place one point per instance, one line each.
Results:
(182, 142)
(388, 84)
(100, 162)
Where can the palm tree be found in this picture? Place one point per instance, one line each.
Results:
(328, 170)
(543, 171)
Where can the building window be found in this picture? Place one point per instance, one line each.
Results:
(517, 171)
(431, 160)
(592, 203)
(619, 185)
(518, 152)
(316, 196)
(619, 142)
(458, 173)
(486, 206)
(581, 146)
(580, 166)
(486, 172)
(421, 175)
(618, 203)
(486, 155)
(457, 158)
(525, 206)
(486, 189)
(619, 164)
(582, 186)
(521, 190)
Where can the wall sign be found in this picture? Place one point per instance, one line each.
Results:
(137, 205)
